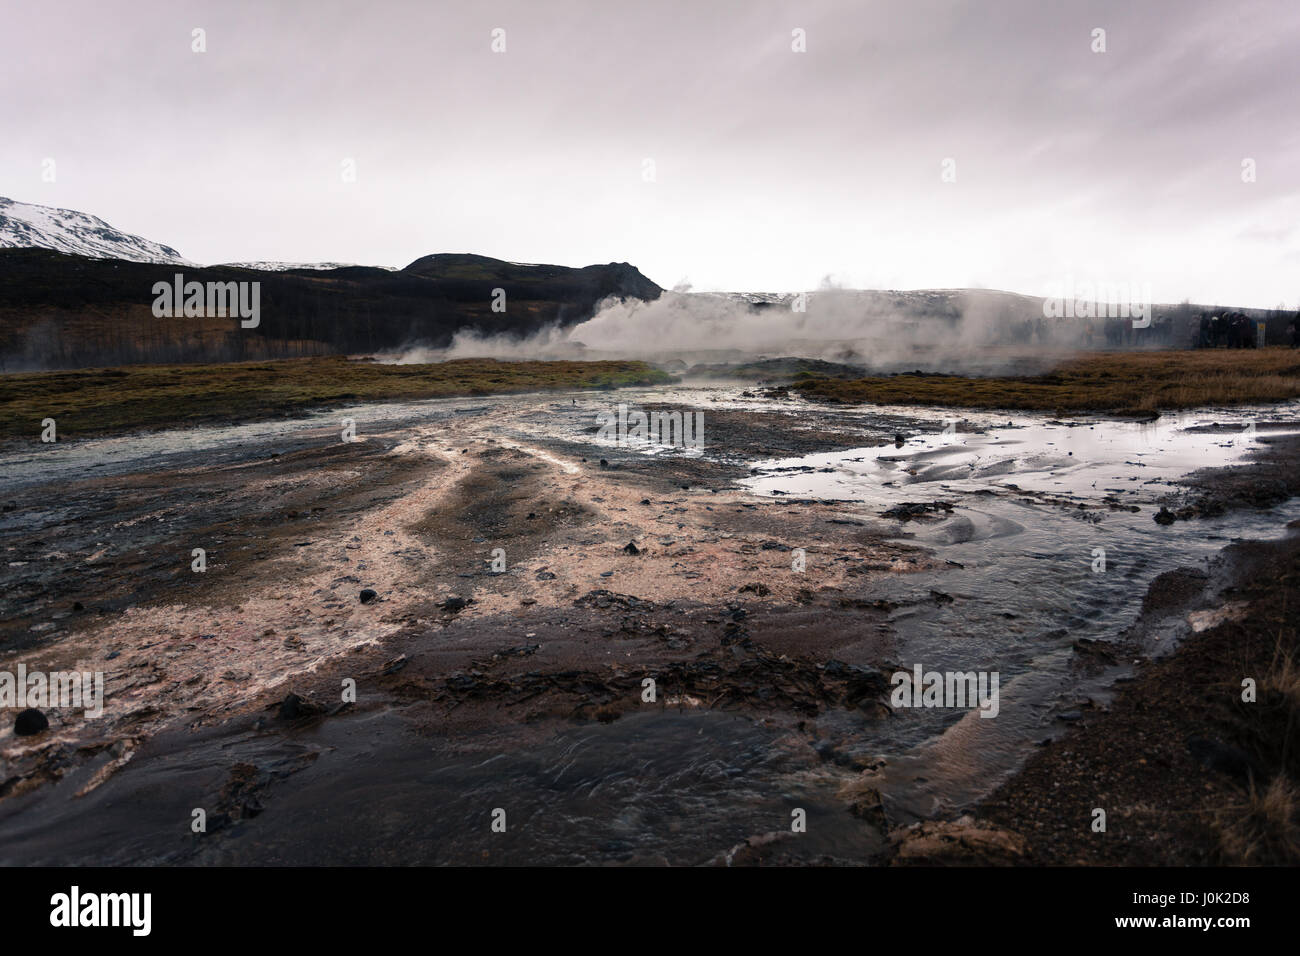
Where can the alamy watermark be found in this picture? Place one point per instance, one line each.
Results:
(1099, 300)
(635, 427)
(958, 689)
(75, 908)
(195, 300)
(72, 689)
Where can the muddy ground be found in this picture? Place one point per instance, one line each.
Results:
(609, 569)
(523, 589)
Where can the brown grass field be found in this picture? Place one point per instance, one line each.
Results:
(1115, 382)
(88, 402)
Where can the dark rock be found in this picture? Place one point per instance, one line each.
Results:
(1225, 758)
(293, 707)
(868, 805)
(916, 509)
(1094, 650)
(631, 548)
(605, 599)
(456, 604)
(522, 650)
(1165, 516)
(369, 596)
(30, 721)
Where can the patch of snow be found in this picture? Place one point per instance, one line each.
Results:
(286, 266)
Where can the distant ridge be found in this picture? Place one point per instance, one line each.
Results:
(72, 311)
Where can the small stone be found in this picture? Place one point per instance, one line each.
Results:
(30, 721)
(293, 707)
(369, 596)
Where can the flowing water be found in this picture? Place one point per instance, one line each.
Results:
(1034, 503)
(1043, 554)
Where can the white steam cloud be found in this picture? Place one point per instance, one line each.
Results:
(970, 330)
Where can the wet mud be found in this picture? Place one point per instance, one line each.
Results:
(639, 656)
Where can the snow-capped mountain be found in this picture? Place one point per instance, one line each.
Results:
(286, 266)
(29, 225)
(23, 225)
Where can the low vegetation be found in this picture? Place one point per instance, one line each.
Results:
(1116, 382)
(1264, 827)
(90, 402)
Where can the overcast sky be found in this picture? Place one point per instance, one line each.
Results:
(773, 169)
